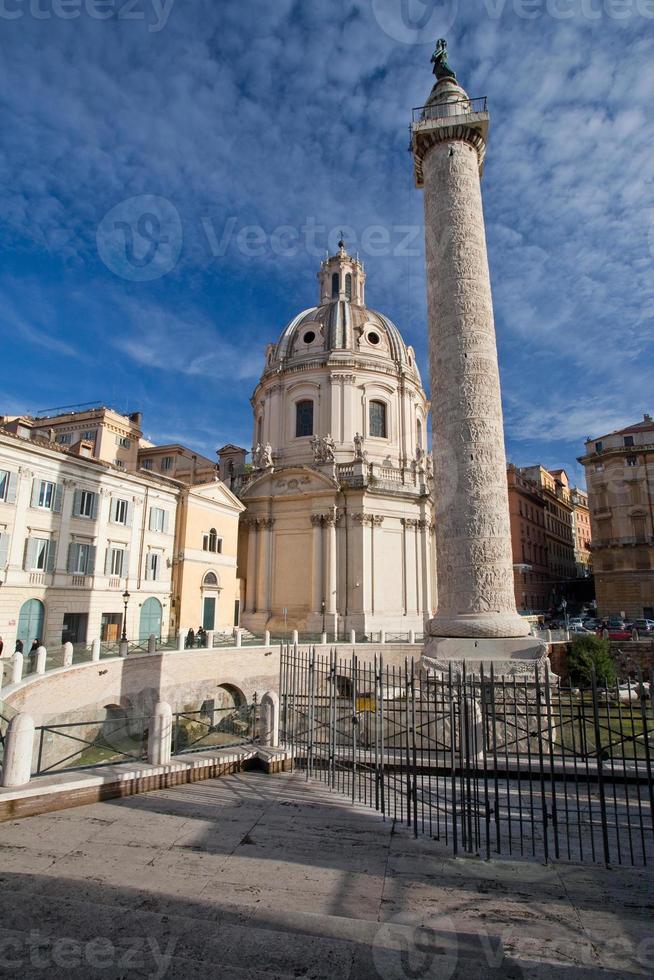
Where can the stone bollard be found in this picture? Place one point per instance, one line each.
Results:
(266, 638)
(209, 643)
(353, 637)
(152, 643)
(160, 737)
(295, 637)
(269, 719)
(549, 636)
(19, 745)
(17, 668)
(41, 658)
(123, 648)
(68, 654)
(412, 636)
(323, 639)
(181, 640)
(95, 649)
(239, 637)
(383, 636)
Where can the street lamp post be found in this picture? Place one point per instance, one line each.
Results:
(323, 606)
(123, 638)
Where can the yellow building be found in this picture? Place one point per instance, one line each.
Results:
(205, 584)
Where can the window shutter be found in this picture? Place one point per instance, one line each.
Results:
(72, 554)
(94, 506)
(125, 564)
(58, 498)
(36, 486)
(107, 561)
(12, 488)
(4, 549)
(90, 565)
(151, 520)
(130, 509)
(165, 522)
(77, 503)
(51, 556)
(30, 554)
(148, 568)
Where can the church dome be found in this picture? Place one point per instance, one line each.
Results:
(341, 324)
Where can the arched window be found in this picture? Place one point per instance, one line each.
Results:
(378, 419)
(336, 286)
(348, 285)
(210, 581)
(304, 418)
(211, 542)
(260, 430)
(419, 434)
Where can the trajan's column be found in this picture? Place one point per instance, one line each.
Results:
(476, 615)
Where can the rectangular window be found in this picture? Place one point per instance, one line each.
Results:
(123, 442)
(146, 464)
(167, 463)
(46, 495)
(65, 438)
(86, 504)
(599, 467)
(158, 520)
(121, 511)
(119, 464)
(378, 420)
(304, 419)
(89, 435)
(632, 461)
(628, 440)
(598, 447)
(116, 562)
(81, 558)
(40, 554)
(4, 483)
(152, 566)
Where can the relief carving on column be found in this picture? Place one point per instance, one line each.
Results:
(266, 523)
(410, 521)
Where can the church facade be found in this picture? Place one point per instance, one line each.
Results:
(338, 529)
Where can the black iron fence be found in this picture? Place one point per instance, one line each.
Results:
(496, 766)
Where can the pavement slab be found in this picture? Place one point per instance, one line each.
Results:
(261, 876)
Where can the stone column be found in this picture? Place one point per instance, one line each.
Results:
(473, 540)
(330, 563)
(251, 581)
(265, 557)
(316, 581)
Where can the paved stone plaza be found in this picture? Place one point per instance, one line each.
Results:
(268, 876)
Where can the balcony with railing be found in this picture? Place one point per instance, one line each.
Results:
(443, 110)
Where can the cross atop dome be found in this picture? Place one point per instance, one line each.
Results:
(341, 277)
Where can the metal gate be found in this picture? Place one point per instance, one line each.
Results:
(495, 766)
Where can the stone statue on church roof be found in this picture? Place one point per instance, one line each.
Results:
(441, 68)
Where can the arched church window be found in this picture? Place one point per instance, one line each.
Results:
(260, 430)
(210, 581)
(335, 285)
(419, 434)
(348, 286)
(304, 418)
(378, 419)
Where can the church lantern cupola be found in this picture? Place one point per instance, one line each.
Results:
(342, 277)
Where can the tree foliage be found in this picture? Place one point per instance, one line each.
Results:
(589, 653)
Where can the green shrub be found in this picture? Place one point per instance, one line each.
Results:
(588, 653)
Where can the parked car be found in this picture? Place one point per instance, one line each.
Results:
(581, 630)
(575, 621)
(644, 625)
(610, 632)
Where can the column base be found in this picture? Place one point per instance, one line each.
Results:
(518, 656)
(479, 626)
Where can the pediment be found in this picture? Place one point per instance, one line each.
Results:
(291, 480)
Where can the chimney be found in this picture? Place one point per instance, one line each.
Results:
(647, 418)
(136, 418)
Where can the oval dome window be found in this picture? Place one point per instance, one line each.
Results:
(309, 337)
(373, 338)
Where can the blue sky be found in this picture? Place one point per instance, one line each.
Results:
(140, 152)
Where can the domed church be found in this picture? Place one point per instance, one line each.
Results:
(338, 530)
